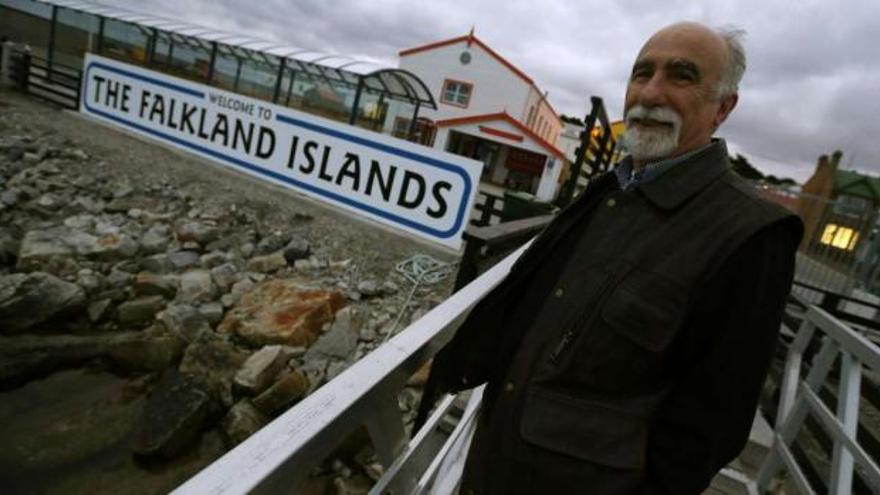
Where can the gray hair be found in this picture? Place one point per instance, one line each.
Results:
(736, 60)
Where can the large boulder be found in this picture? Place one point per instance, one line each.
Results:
(27, 299)
(41, 248)
(25, 357)
(173, 416)
(282, 312)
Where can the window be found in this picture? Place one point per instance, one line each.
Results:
(456, 93)
(839, 237)
(531, 118)
(851, 205)
(401, 127)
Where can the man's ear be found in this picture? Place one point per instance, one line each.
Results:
(727, 105)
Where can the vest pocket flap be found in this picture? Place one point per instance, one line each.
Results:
(646, 309)
(586, 430)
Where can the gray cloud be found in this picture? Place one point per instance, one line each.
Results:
(811, 85)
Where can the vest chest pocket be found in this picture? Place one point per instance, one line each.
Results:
(624, 346)
(647, 309)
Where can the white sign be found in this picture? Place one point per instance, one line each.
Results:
(418, 189)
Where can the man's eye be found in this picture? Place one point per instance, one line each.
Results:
(685, 76)
(641, 74)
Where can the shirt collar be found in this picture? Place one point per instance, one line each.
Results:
(682, 176)
(628, 178)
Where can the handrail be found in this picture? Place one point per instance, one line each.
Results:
(279, 456)
(798, 397)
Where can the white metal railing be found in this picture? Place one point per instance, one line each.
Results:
(798, 397)
(277, 458)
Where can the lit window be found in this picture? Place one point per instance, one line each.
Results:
(839, 237)
(456, 93)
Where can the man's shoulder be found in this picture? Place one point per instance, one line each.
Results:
(748, 200)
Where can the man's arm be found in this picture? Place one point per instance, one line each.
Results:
(727, 347)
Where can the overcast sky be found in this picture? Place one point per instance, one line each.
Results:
(811, 85)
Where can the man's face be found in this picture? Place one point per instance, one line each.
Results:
(671, 100)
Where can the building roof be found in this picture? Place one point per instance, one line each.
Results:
(471, 38)
(503, 116)
(375, 76)
(856, 183)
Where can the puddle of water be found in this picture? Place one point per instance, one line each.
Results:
(71, 433)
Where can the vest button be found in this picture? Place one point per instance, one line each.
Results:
(611, 202)
(508, 387)
(559, 292)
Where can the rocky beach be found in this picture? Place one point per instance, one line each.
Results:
(157, 309)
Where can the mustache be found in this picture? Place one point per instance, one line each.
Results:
(661, 114)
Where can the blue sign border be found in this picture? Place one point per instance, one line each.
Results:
(449, 167)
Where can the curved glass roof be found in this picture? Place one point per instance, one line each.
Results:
(391, 80)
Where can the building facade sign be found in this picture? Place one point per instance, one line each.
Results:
(420, 190)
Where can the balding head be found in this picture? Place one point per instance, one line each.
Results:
(682, 87)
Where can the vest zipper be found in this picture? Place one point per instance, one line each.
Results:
(568, 336)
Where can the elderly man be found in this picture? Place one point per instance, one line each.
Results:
(625, 351)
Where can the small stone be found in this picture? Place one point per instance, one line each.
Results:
(225, 276)
(246, 250)
(242, 421)
(112, 247)
(374, 470)
(271, 243)
(184, 259)
(369, 288)
(156, 239)
(99, 310)
(289, 388)
(140, 309)
(48, 201)
(213, 259)
(341, 340)
(335, 368)
(184, 321)
(118, 278)
(10, 197)
(158, 263)
(78, 154)
(149, 284)
(88, 280)
(212, 311)
(340, 468)
(257, 373)
(200, 232)
(389, 288)
(80, 222)
(297, 249)
(267, 264)
(196, 286)
(31, 158)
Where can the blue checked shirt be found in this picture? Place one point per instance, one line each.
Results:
(650, 171)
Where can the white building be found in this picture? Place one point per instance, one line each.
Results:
(489, 110)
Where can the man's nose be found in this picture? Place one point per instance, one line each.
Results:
(653, 92)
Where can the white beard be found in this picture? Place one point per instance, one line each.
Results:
(655, 143)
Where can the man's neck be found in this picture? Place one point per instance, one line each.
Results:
(677, 154)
